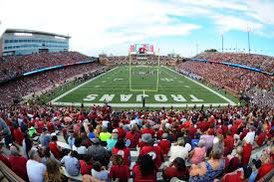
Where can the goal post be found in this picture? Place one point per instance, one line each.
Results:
(144, 73)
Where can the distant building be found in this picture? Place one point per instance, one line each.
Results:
(23, 42)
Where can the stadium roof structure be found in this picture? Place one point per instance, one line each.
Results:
(35, 32)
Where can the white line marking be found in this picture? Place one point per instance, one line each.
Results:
(75, 88)
(198, 83)
(132, 105)
(97, 86)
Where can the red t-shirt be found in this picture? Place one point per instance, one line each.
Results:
(18, 165)
(54, 149)
(18, 135)
(261, 139)
(154, 152)
(171, 172)
(229, 143)
(121, 133)
(264, 169)
(149, 131)
(121, 172)
(235, 177)
(165, 146)
(247, 149)
(84, 167)
(125, 153)
(138, 177)
(134, 138)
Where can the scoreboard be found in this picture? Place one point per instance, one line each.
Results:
(141, 49)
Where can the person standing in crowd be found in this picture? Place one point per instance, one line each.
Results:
(145, 169)
(198, 154)
(5, 132)
(247, 149)
(35, 169)
(104, 136)
(240, 175)
(180, 150)
(56, 151)
(99, 171)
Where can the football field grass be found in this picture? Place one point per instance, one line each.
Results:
(124, 87)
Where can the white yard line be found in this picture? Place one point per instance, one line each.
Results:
(132, 105)
(213, 91)
(75, 88)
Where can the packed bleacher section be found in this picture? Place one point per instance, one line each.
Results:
(237, 81)
(14, 66)
(16, 89)
(137, 59)
(99, 144)
(265, 63)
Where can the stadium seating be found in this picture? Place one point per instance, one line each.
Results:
(265, 63)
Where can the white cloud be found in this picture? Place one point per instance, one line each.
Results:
(95, 25)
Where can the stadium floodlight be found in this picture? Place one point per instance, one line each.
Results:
(142, 66)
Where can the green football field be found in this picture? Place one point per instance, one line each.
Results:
(125, 87)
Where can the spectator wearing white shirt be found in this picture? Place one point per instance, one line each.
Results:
(35, 169)
(180, 150)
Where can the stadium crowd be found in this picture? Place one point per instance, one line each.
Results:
(21, 87)
(191, 145)
(14, 66)
(236, 80)
(266, 63)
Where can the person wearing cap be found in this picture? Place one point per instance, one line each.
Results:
(44, 138)
(18, 162)
(240, 175)
(165, 144)
(153, 151)
(98, 153)
(35, 169)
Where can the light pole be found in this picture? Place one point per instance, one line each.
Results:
(222, 42)
(248, 39)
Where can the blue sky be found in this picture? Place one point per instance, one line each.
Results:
(178, 26)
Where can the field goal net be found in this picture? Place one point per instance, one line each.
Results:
(144, 73)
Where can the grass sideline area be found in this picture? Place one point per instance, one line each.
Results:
(173, 89)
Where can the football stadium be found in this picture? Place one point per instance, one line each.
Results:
(138, 91)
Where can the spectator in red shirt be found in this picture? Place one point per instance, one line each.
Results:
(153, 151)
(228, 143)
(121, 132)
(18, 163)
(267, 166)
(247, 149)
(133, 136)
(18, 135)
(260, 139)
(122, 150)
(240, 175)
(144, 170)
(147, 129)
(119, 170)
(176, 169)
(85, 165)
(56, 151)
(164, 144)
